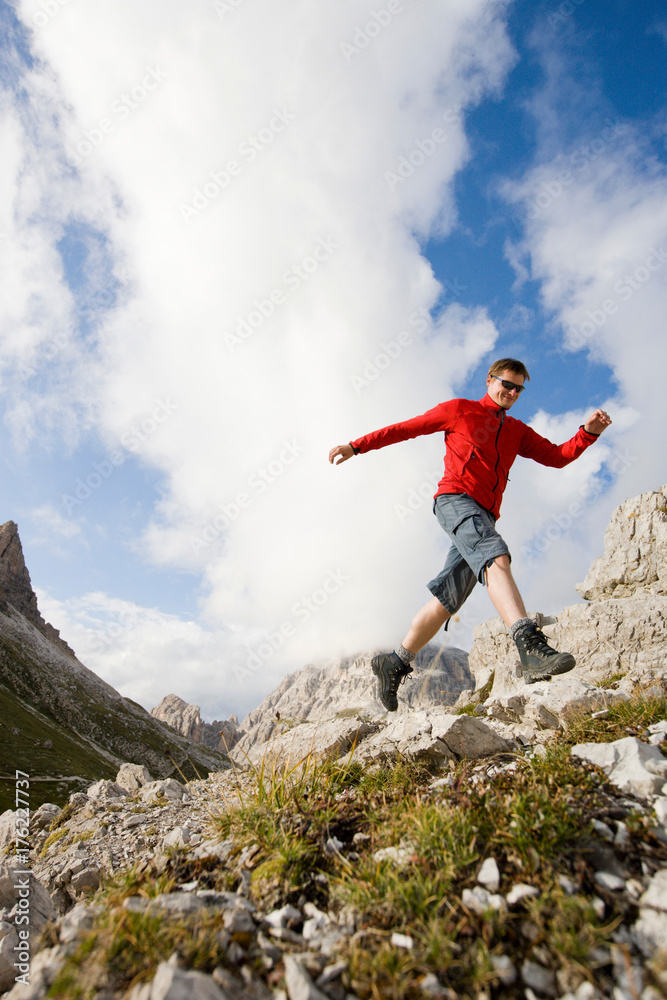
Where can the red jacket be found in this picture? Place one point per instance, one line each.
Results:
(482, 441)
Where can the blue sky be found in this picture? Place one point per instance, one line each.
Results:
(194, 285)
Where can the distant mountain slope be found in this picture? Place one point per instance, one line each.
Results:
(47, 696)
(348, 687)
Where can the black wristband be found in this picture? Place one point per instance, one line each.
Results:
(581, 426)
(357, 451)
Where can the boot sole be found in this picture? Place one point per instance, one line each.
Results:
(375, 667)
(567, 663)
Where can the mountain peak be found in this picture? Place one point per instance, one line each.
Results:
(16, 588)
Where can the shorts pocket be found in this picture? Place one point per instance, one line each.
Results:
(451, 511)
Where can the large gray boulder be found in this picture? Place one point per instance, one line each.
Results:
(434, 736)
(635, 551)
(630, 764)
(611, 636)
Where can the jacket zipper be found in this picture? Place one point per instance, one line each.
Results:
(501, 415)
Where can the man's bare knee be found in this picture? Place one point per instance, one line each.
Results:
(503, 562)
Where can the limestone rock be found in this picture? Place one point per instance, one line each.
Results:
(635, 551)
(608, 637)
(299, 984)
(7, 828)
(16, 588)
(172, 983)
(181, 716)
(8, 943)
(44, 816)
(132, 777)
(346, 688)
(650, 931)
(334, 738)
(16, 887)
(433, 736)
(186, 719)
(106, 791)
(631, 765)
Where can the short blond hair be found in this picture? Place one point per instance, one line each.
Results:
(508, 365)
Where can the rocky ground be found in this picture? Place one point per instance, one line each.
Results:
(513, 845)
(162, 855)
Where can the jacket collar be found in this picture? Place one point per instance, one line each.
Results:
(489, 404)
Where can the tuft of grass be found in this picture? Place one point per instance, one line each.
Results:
(53, 838)
(627, 718)
(125, 948)
(611, 679)
(468, 709)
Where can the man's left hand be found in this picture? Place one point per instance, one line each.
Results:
(597, 422)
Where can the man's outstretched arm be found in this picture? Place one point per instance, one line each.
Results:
(541, 450)
(437, 419)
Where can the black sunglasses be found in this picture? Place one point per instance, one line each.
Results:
(510, 385)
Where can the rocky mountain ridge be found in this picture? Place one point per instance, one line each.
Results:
(186, 719)
(59, 722)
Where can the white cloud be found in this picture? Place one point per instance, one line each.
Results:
(52, 522)
(256, 181)
(146, 654)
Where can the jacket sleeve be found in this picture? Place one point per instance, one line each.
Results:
(437, 419)
(541, 450)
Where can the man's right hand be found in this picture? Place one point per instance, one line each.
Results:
(341, 452)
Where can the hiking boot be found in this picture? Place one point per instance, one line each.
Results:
(390, 672)
(538, 659)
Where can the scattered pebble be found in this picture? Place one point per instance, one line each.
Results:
(606, 880)
(521, 891)
(489, 875)
(479, 900)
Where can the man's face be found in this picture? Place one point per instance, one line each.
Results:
(498, 393)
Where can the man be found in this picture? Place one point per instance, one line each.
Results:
(482, 443)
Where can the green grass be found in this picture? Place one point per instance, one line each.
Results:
(627, 718)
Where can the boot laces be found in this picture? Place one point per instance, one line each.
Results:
(397, 677)
(536, 643)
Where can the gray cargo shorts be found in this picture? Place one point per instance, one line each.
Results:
(475, 544)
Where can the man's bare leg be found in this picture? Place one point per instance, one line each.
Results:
(538, 659)
(426, 623)
(392, 668)
(503, 591)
